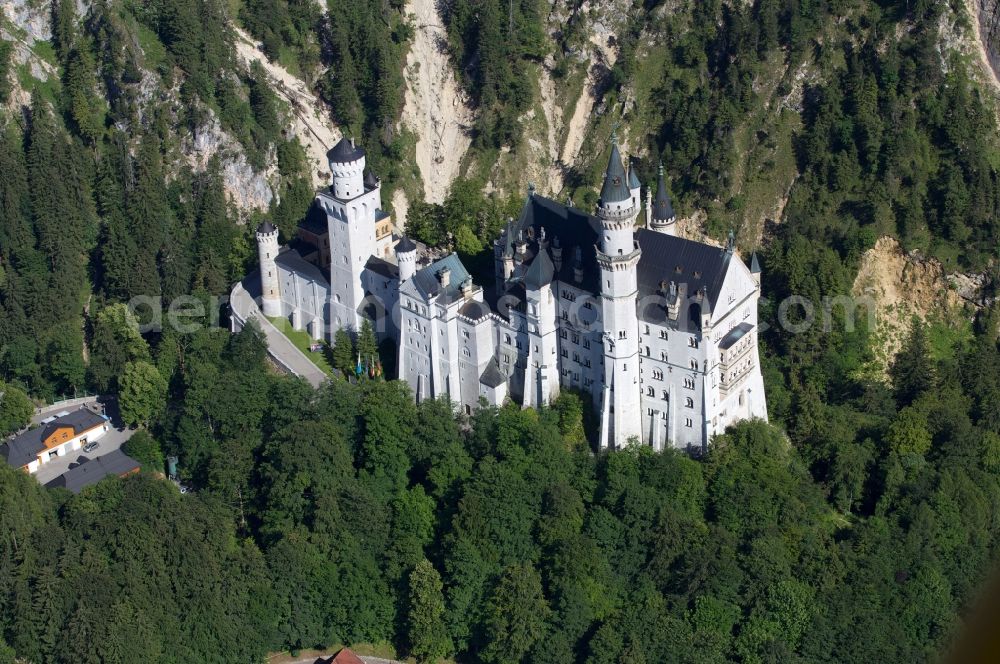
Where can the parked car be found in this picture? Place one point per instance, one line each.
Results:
(91, 446)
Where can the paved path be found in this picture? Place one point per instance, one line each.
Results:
(284, 352)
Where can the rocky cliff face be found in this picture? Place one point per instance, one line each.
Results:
(987, 13)
(26, 23)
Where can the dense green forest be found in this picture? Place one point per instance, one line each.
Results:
(349, 514)
(352, 515)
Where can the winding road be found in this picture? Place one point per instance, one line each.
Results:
(243, 308)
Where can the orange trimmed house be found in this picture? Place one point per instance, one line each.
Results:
(56, 437)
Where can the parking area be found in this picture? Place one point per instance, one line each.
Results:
(110, 441)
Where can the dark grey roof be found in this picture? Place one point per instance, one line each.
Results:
(293, 260)
(22, 450)
(405, 244)
(508, 247)
(315, 220)
(370, 180)
(540, 271)
(345, 151)
(664, 257)
(266, 227)
(426, 279)
(735, 335)
(754, 264)
(615, 188)
(669, 258)
(382, 267)
(633, 178)
(474, 309)
(492, 375)
(662, 209)
(575, 230)
(115, 463)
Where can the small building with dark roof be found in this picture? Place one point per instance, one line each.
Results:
(55, 437)
(89, 472)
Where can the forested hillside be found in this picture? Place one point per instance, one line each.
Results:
(138, 152)
(352, 515)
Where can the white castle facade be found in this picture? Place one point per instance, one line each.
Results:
(659, 331)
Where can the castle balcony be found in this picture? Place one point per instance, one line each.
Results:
(620, 262)
(735, 358)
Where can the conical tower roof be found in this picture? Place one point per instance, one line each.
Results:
(633, 177)
(615, 189)
(662, 209)
(405, 245)
(345, 151)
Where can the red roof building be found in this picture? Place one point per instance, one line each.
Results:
(345, 656)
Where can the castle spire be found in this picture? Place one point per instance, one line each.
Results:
(615, 188)
(662, 218)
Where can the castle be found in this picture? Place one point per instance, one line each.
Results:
(660, 331)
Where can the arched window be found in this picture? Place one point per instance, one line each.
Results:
(651, 392)
(689, 402)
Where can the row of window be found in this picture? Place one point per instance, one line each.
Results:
(688, 422)
(576, 358)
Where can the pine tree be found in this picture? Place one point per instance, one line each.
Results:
(149, 217)
(367, 343)
(343, 352)
(117, 248)
(428, 637)
(515, 615)
(912, 370)
(215, 234)
(62, 213)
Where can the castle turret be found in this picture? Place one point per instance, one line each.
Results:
(634, 186)
(352, 210)
(618, 258)
(406, 259)
(755, 269)
(270, 285)
(662, 219)
(347, 164)
(541, 373)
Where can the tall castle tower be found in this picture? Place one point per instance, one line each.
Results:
(618, 257)
(350, 206)
(267, 251)
(662, 219)
(541, 375)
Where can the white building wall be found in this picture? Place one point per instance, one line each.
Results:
(543, 361)
(351, 227)
(302, 294)
(71, 445)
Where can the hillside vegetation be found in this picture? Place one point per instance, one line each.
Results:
(857, 526)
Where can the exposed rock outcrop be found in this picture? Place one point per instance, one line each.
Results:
(309, 120)
(986, 14)
(904, 285)
(435, 107)
(246, 188)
